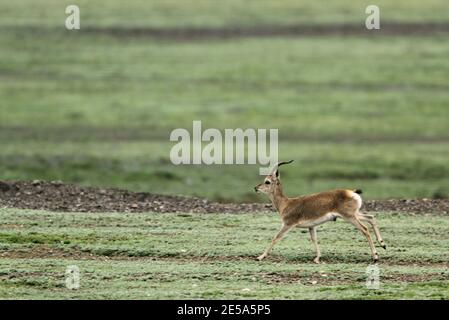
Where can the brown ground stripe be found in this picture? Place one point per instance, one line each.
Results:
(110, 134)
(46, 252)
(60, 197)
(232, 32)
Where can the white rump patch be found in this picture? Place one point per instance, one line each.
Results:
(357, 198)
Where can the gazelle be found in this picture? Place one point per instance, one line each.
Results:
(312, 210)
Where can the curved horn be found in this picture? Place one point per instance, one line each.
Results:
(280, 164)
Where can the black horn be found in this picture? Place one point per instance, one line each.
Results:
(280, 164)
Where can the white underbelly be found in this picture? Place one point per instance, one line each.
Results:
(315, 222)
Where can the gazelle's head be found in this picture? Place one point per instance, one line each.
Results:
(273, 181)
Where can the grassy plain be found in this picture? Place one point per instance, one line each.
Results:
(97, 108)
(191, 256)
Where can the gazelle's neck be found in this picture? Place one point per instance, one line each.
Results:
(278, 199)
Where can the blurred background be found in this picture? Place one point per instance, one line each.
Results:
(354, 108)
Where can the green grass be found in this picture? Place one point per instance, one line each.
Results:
(201, 13)
(385, 170)
(368, 112)
(184, 256)
(373, 90)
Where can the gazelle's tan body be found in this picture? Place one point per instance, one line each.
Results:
(312, 210)
(315, 209)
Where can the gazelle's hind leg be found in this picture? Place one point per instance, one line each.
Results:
(364, 229)
(312, 231)
(370, 219)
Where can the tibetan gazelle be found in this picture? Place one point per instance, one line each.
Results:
(312, 210)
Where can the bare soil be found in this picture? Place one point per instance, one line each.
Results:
(58, 196)
(275, 278)
(186, 34)
(300, 30)
(85, 133)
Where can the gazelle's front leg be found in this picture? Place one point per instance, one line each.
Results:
(278, 237)
(312, 231)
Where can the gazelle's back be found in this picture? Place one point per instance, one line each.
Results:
(341, 201)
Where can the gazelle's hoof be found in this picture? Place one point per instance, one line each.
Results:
(316, 260)
(376, 259)
(260, 258)
(383, 245)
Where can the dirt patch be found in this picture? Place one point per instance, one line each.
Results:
(438, 206)
(73, 253)
(57, 196)
(189, 33)
(300, 30)
(108, 134)
(279, 278)
(323, 278)
(318, 278)
(46, 252)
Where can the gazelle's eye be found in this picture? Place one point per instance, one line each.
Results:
(267, 182)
